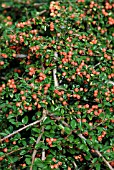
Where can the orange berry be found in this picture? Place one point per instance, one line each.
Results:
(23, 98)
(6, 140)
(47, 139)
(56, 166)
(53, 159)
(60, 163)
(14, 142)
(5, 150)
(52, 166)
(23, 165)
(65, 103)
(1, 158)
(99, 138)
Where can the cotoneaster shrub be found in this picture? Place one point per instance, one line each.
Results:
(56, 85)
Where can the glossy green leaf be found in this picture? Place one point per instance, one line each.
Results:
(73, 124)
(25, 120)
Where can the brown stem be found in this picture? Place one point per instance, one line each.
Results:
(14, 151)
(105, 161)
(98, 124)
(31, 124)
(38, 4)
(74, 163)
(42, 12)
(21, 55)
(111, 82)
(97, 64)
(18, 56)
(43, 155)
(56, 84)
(55, 77)
(35, 151)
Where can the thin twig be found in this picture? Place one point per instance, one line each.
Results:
(15, 151)
(94, 127)
(70, 3)
(35, 151)
(27, 5)
(105, 161)
(31, 124)
(56, 84)
(21, 56)
(2, 78)
(111, 82)
(17, 56)
(43, 155)
(97, 65)
(38, 4)
(75, 164)
(42, 12)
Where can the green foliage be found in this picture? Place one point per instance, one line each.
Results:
(56, 66)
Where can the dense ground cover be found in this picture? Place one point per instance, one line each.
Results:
(56, 85)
